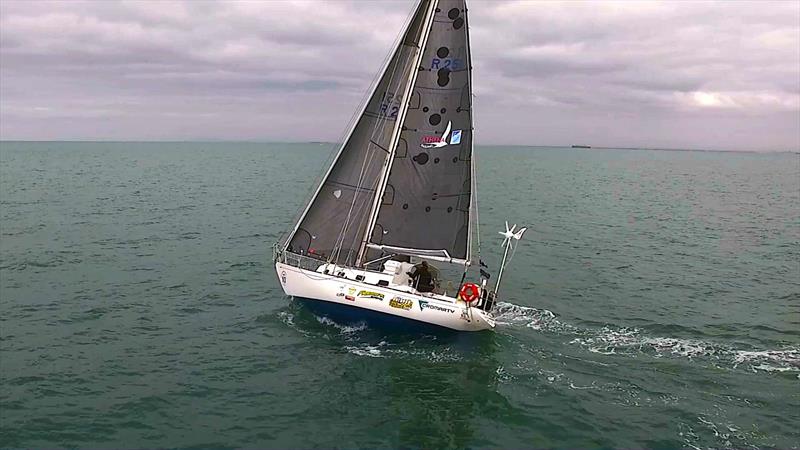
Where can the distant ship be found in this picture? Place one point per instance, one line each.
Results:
(581, 146)
(401, 191)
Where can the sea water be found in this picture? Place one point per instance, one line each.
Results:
(654, 302)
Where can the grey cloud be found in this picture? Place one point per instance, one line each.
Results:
(666, 74)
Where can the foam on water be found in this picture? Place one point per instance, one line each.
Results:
(372, 351)
(632, 342)
(770, 360)
(537, 319)
(343, 329)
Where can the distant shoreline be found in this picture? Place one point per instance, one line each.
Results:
(322, 143)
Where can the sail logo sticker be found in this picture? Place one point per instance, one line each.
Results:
(438, 141)
(423, 304)
(455, 137)
(401, 303)
(371, 294)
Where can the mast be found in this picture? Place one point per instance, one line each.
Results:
(373, 216)
(473, 203)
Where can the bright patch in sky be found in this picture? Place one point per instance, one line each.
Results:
(707, 99)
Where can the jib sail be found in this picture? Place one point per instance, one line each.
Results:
(336, 221)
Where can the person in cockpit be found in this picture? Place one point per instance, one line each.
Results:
(423, 277)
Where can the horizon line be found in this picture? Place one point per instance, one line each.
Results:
(260, 141)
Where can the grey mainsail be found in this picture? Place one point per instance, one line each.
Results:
(335, 223)
(426, 204)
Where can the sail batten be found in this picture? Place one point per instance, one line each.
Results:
(436, 255)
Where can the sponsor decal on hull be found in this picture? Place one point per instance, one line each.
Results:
(423, 305)
(371, 294)
(350, 293)
(401, 303)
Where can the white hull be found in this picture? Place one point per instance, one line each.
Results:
(396, 300)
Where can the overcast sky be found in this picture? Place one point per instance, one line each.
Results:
(632, 74)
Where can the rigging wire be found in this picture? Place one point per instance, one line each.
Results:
(339, 243)
(473, 156)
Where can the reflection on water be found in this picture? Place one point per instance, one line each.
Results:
(438, 385)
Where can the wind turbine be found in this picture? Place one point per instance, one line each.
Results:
(509, 233)
(509, 236)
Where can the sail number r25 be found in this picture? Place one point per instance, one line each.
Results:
(452, 64)
(390, 105)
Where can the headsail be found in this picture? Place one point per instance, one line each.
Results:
(426, 204)
(335, 223)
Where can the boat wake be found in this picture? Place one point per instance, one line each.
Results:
(361, 340)
(633, 342)
(537, 319)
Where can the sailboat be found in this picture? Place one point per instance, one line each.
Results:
(401, 191)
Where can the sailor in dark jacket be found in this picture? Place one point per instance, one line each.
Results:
(424, 277)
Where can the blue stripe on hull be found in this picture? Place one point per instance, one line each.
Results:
(346, 314)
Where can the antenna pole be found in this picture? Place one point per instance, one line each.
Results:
(507, 245)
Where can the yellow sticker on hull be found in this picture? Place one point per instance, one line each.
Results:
(401, 303)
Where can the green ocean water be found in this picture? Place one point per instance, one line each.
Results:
(654, 303)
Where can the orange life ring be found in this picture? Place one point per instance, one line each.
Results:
(469, 292)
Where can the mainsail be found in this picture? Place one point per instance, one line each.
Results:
(401, 183)
(334, 224)
(427, 200)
